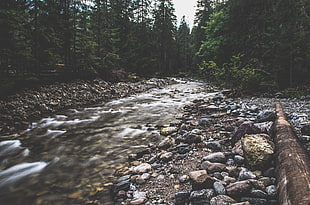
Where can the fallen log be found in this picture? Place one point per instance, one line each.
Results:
(293, 163)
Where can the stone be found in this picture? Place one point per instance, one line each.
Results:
(137, 201)
(266, 115)
(246, 174)
(258, 150)
(145, 176)
(239, 189)
(196, 131)
(254, 201)
(181, 198)
(166, 143)
(203, 181)
(305, 129)
(183, 178)
(229, 180)
(192, 138)
(267, 181)
(257, 184)
(168, 130)
(234, 171)
(239, 160)
(222, 200)
(212, 167)
(201, 196)
(204, 121)
(195, 174)
(271, 191)
(242, 203)
(256, 193)
(142, 168)
(237, 149)
(219, 188)
(166, 156)
(214, 146)
(216, 157)
(247, 127)
(123, 185)
(140, 180)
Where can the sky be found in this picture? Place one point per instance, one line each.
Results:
(187, 8)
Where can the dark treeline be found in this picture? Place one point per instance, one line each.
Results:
(241, 43)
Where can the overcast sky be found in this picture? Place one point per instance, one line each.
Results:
(187, 8)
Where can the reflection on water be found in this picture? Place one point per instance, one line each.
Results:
(70, 158)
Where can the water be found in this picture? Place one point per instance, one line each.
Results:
(70, 158)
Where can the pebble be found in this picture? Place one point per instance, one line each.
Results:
(219, 188)
(222, 200)
(239, 189)
(271, 191)
(212, 167)
(216, 157)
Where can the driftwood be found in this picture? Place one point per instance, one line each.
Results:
(293, 163)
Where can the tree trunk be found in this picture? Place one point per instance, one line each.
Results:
(293, 163)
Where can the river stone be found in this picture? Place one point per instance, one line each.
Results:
(203, 181)
(255, 201)
(247, 127)
(181, 198)
(168, 130)
(239, 189)
(219, 188)
(183, 178)
(258, 150)
(212, 167)
(192, 138)
(239, 160)
(305, 129)
(214, 146)
(256, 193)
(222, 200)
(237, 149)
(142, 168)
(123, 185)
(242, 203)
(166, 156)
(201, 196)
(216, 157)
(271, 191)
(267, 181)
(166, 143)
(266, 115)
(229, 180)
(246, 174)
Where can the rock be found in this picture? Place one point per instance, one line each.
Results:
(195, 174)
(192, 138)
(204, 121)
(267, 181)
(137, 201)
(271, 191)
(266, 115)
(166, 143)
(183, 178)
(201, 197)
(258, 150)
(203, 181)
(196, 131)
(145, 176)
(242, 203)
(123, 185)
(222, 200)
(216, 157)
(181, 198)
(246, 174)
(247, 127)
(237, 149)
(239, 160)
(257, 184)
(140, 180)
(229, 180)
(239, 189)
(219, 188)
(305, 129)
(166, 156)
(255, 201)
(142, 168)
(256, 193)
(212, 167)
(214, 146)
(168, 130)
(234, 171)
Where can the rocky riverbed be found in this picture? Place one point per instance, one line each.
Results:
(17, 111)
(219, 151)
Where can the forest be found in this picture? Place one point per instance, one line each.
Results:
(245, 44)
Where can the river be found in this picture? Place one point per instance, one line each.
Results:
(70, 158)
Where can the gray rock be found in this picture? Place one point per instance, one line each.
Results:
(239, 160)
(271, 191)
(184, 178)
(246, 174)
(181, 198)
(229, 180)
(201, 197)
(192, 138)
(254, 201)
(305, 129)
(216, 157)
(212, 167)
(166, 156)
(166, 143)
(256, 193)
(222, 200)
(247, 127)
(214, 146)
(142, 168)
(219, 188)
(239, 189)
(266, 115)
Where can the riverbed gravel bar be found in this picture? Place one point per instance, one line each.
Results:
(220, 151)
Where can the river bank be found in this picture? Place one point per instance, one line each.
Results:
(204, 158)
(17, 111)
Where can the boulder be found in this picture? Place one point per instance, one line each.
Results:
(258, 150)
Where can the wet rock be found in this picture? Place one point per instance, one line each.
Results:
(255, 201)
(168, 130)
(181, 198)
(212, 167)
(201, 196)
(192, 138)
(214, 146)
(219, 188)
(266, 115)
(222, 200)
(122, 185)
(271, 191)
(305, 129)
(216, 157)
(142, 168)
(246, 174)
(166, 143)
(258, 150)
(166, 156)
(247, 127)
(239, 189)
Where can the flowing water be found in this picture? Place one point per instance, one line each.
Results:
(70, 158)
